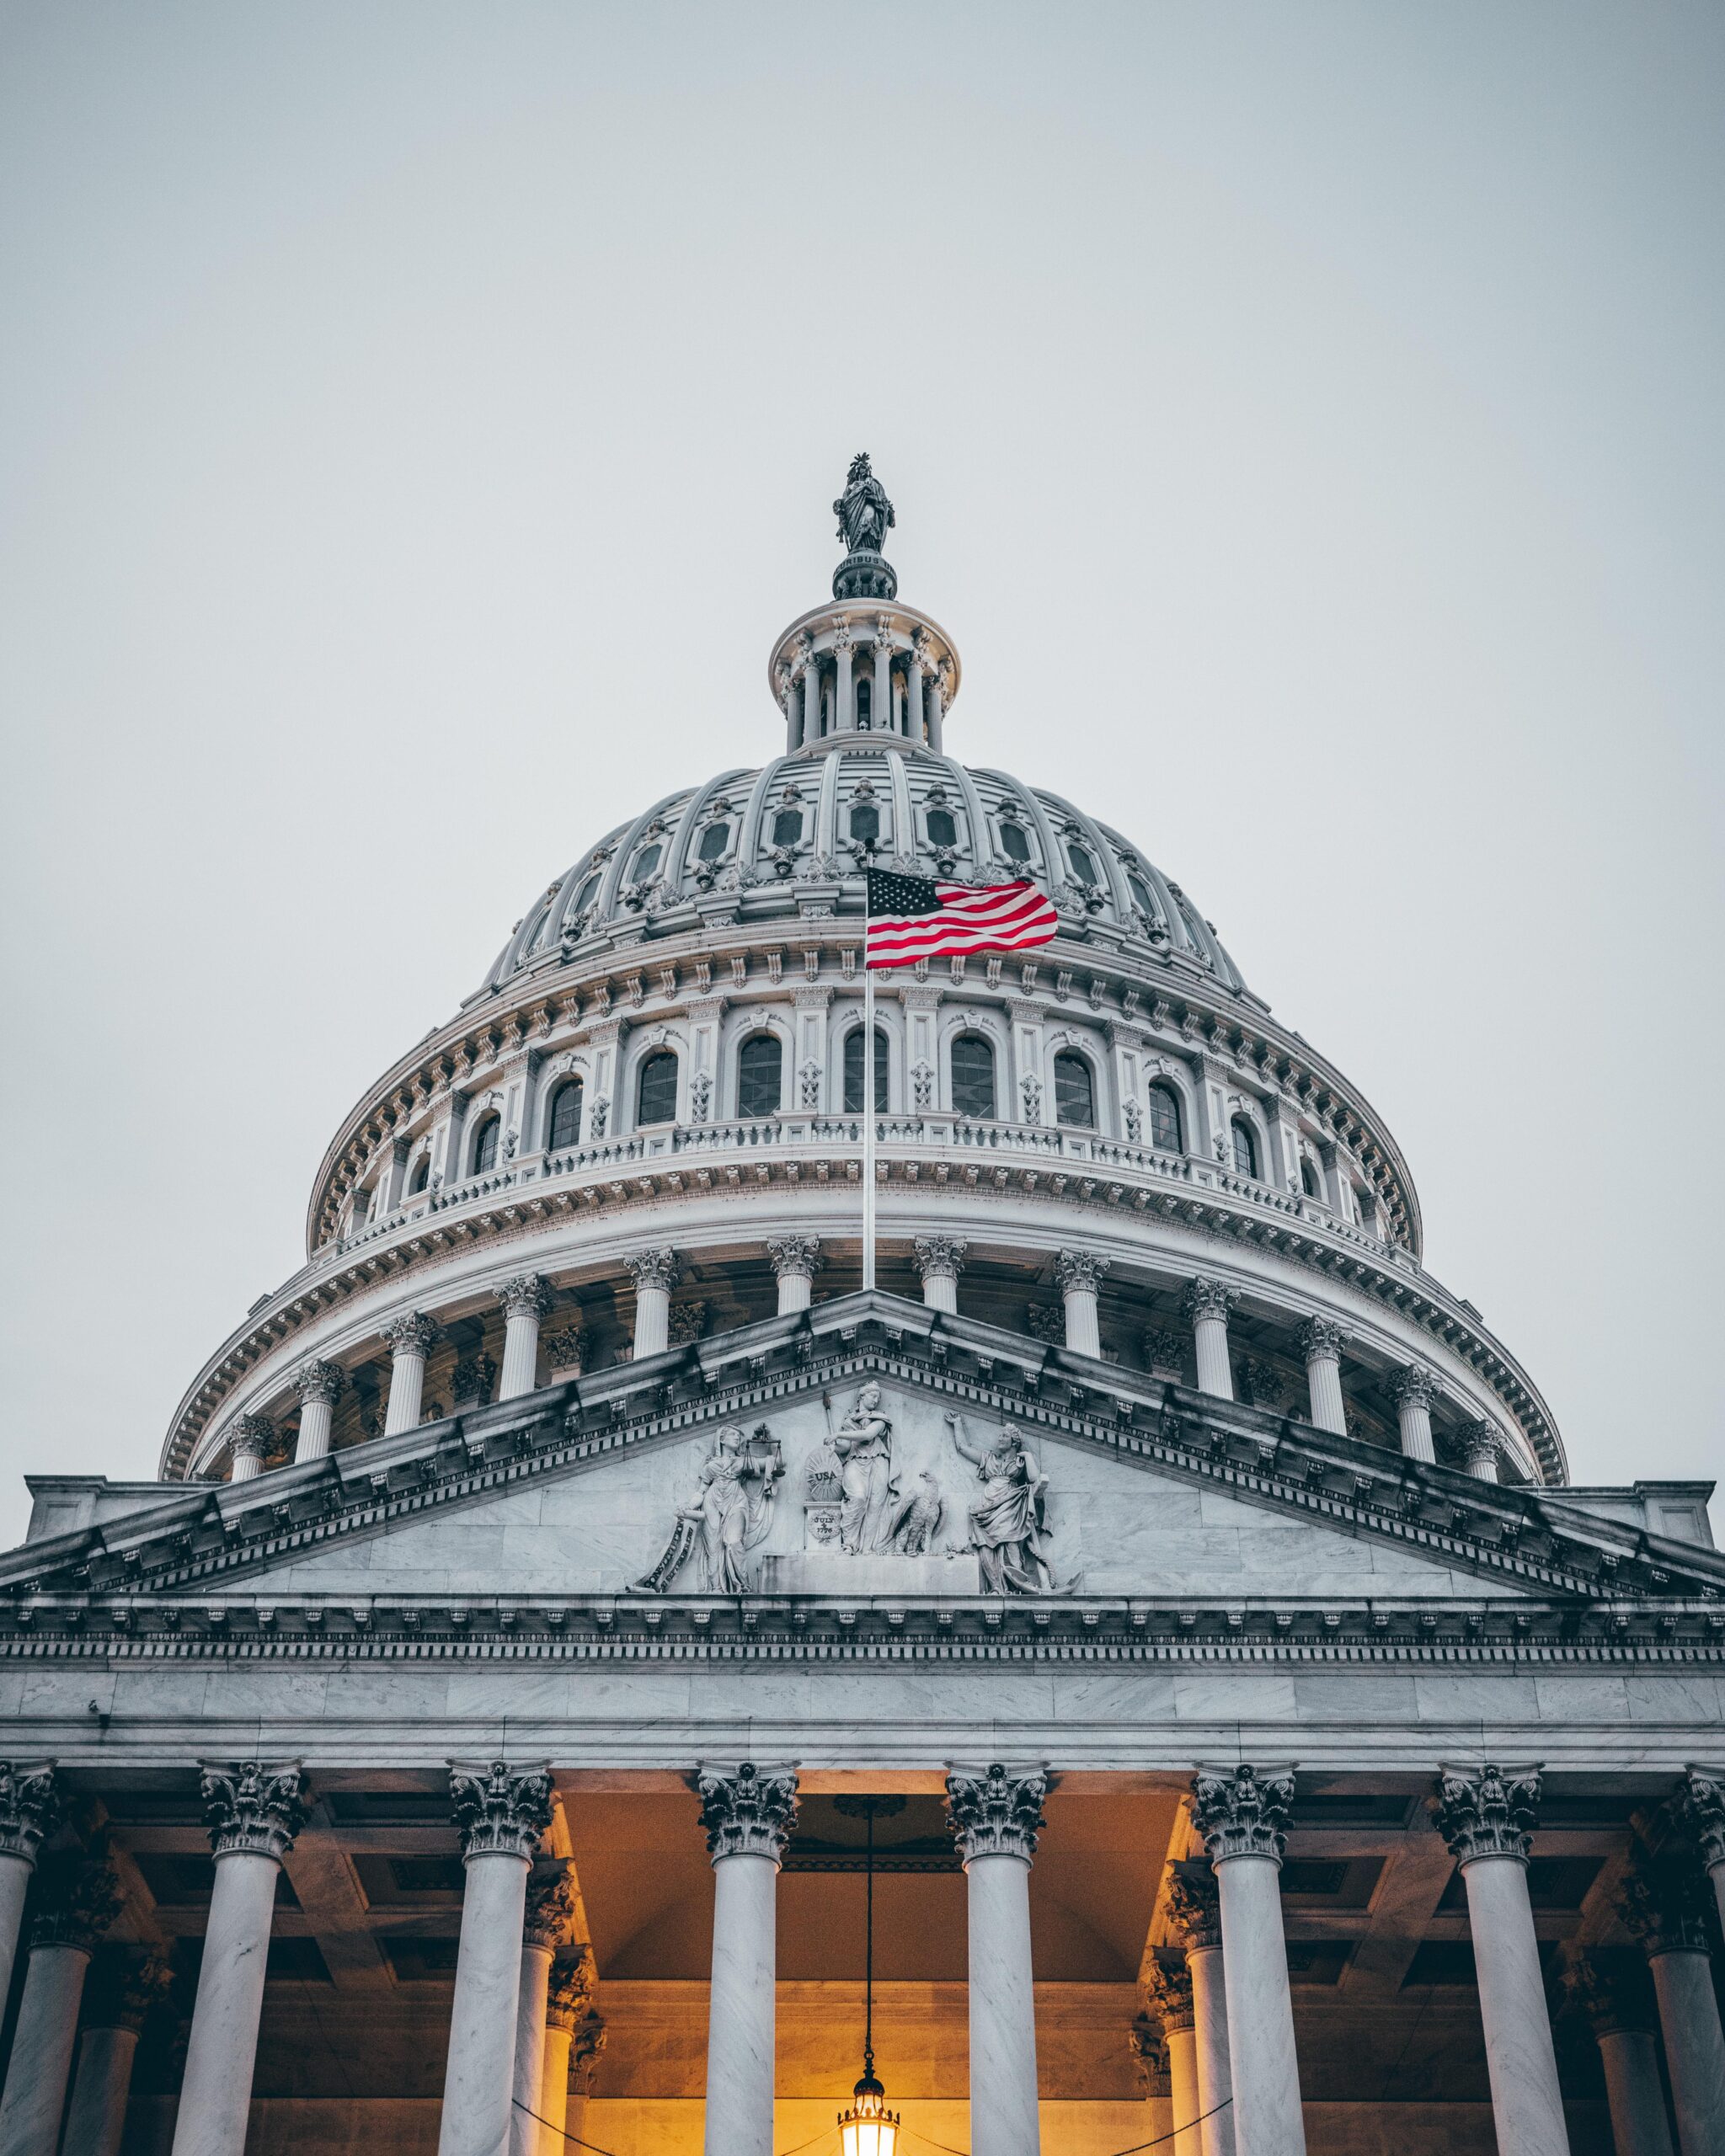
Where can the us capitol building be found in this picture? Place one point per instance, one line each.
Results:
(584, 1666)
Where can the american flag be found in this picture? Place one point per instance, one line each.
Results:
(912, 917)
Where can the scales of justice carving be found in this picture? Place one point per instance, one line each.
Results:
(858, 1505)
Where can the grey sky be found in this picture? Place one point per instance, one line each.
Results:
(417, 423)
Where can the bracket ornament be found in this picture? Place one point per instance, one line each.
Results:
(30, 1807)
(252, 1810)
(997, 1811)
(1487, 1812)
(1242, 1811)
(500, 1810)
(749, 1811)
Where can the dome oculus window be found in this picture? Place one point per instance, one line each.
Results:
(1075, 1092)
(853, 1072)
(759, 1075)
(1164, 1119)
(647, 861)
(787, 827)
(1014, 842)
(1083, 868)
(484, 1157)
(714, 841)
(1244, 1148)
(943, 829)
(1141, 898)
(865, 822)
(656, 1089)
(564, 1127)
(973, 1077)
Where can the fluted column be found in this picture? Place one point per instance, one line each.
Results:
(545, 1925)
(913, 688)
(1704, 1798)
(525, 1299)
(939, 1260)
(1663, 1902)
(1616, 1999)
(1149, 2046)
(1194, 1905)
(255, 1811)
(1414, 1390)
(117, 2001)
(567, 1996)
(411, 1340)
(811, 691)
(250, 1438)
(882, 700)
(30, 1811)
(1242, 1814)
(1321, 1341)
(500, 1812)
(1078, 1273)
(796, 1259)
(748, 1812)
(654, 1274)
(319, 1387)
(80, 1905)
(844, 715)
(1486, 1816)
(935, 682)
(995, 1815)
(790, 702)
(1169, 1990)
(1207, 1304)
(1481, 1448)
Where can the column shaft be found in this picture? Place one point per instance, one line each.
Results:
(933, 714)
(1182, 2073)
(554, 2090)
(96, 2120)
(1414, 1421)
(1210, 1337)
(15, 1884)
(913, 699)
(1215, 2084)
(1527, 2106)
(316, 1417)
(1695, 2048)
(407, 1389)
(1004, 2120)
(479, 2079)
(1630, 2060)
(42, 2051)
(742, 2006)
(811, 703)
(940, 1291)
(521, 1354)
(1261, 2060)
(245, 1466)
(1323, 1373)
(652, 1321)
(215, 2093)
(882, 698)
(796, 1291)
(525, 2131)
(843, 715)
(1083, 1332)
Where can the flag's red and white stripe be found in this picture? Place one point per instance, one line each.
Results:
(1002, 917)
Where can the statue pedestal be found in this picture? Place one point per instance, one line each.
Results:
(832, 1573)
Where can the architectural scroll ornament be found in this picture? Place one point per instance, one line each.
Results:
(1487, 1812)
(996, 1811)
(29, 1808)
(251, 1437)
(584, 2052)
(1148, 2048)
(77, 1908)
(550, 1911)
(500, 1810)
(727, 1517)
(252, 1810)
(1704, 1801)
(747, 1811)
(527, 1295)
(1242, 1811)
(1610, 1987)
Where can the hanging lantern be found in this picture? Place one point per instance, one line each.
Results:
(866, 2127)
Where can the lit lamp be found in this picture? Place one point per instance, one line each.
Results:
(866, 2127)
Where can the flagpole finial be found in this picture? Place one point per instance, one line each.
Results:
(865, 517)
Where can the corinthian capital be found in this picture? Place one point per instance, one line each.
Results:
(1242, 1811)
(1481, 1446)
(29, 1807)
(1610, 1987)
(795, 1257)
(527, 1295)
(500, 1810)
(1207, 1298)
(652, 1269)
(995, 1810)
(585, 2051)
(319, 1381)
(1081, 1269)
(1414, 1387)
(1320, 1339)
(123, 1987)
(251, 1437)
(1488, 1811)
(1149, 2047)
(1663, 1901)
(77, 1908)
(252, 1810)
(1195, 1908)
(415, 1334)
(569, 1991)
(1169, 1992)
(747, 1811)
(1704, 1801)
(939, 1257)
(550, 1910)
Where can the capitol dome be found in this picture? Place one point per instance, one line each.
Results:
(643, 1129)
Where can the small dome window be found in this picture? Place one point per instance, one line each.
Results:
(485, 1145)
(647, 860)
(421, 1174)
(973, 1077)
(787, 827)
(865, 822)
(1164, 1118)
(1014, 842)
(1075, 1092)
(1142, 900)
(1245, 1147)
(1083, 868)
(564, 1127)
(759, 1075)
(656, 1089)
(865, 704)
(943, 828)
(714, 841)
(1308, 1177)
(853, 1072)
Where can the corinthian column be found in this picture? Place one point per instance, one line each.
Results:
(500, 1812)
(524, 1301)
(550, 1910)
(567, 1998)
(881, 644)
(654, 1274)
(796, 1259)
(913, 687)
(117, 2002)
(939, 1261)
(411, 1340)
(255, 1811)
(81, 1905)
(1704, 1798)
(1664, 1905)
(319, 1387)
(30, 1811)
(748, 1812)
(1413, 1391)
(995, 1815)
(843, 710)
(1194, 1905)
(1481, 1448)
(1242, 1814)
(1621, 2012)
(1207, 1304)
(1079, 1275)
(1169, 1990)
(249, 1440)
(1321, 1341)
(1486, 1816)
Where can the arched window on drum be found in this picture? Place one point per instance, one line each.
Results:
(853, 1072)
(1075, 1091)
(760, 1063)
(563, 1127)
(1245, 1139)
(421, 1176)
(656, 1089)
(973, 1077)
(1165, 1131)
(483, 1159)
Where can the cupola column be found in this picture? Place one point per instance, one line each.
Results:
(1664, 1905)
(913, 687)
(1413, 1391)
(411, 1340)
(550, 1910)
(796, 1259)
(654, 1274)
(748, 1812)
(30, 1811)
(811, 691)
(844, 715)
(939, 1260)
(1079, 1275)
(319, 1387)
(934, 689)
(1208, 1303)
(995, 1815)
(1481, 1447)
(249, 1442)
(63, 1939)
(525, 1299)
(881, 716)
(1321, 1342)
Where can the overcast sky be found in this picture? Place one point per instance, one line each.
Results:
(418, 421)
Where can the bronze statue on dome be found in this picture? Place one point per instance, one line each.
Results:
(865, 514)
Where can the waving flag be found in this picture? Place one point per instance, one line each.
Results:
(912, 917)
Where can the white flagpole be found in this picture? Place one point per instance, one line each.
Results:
(867, 1123)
